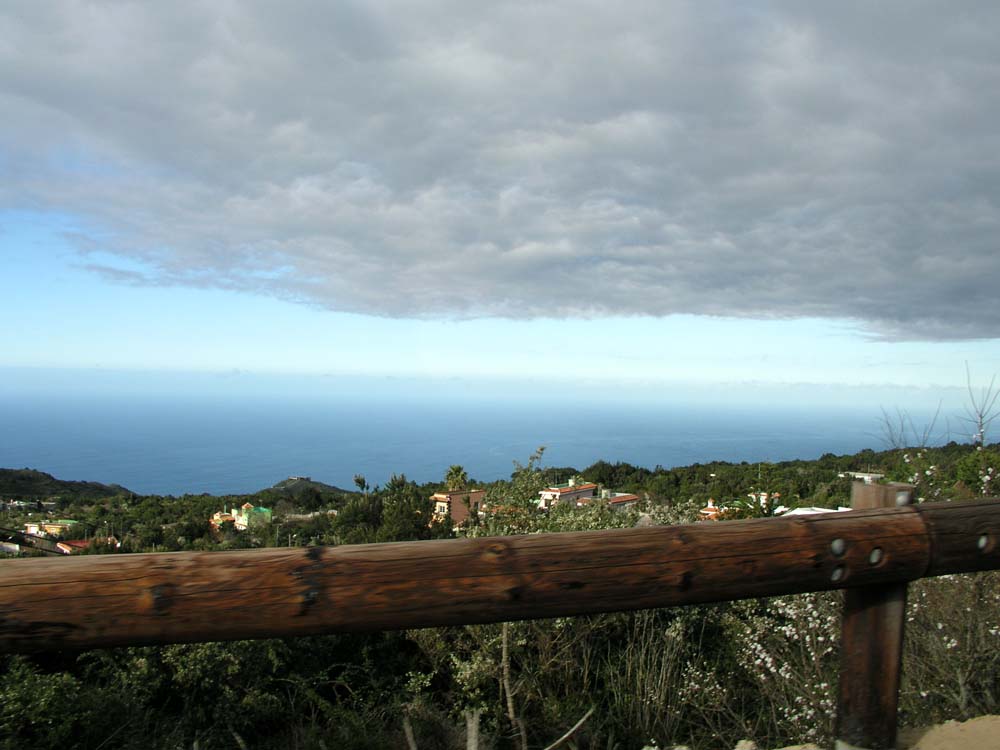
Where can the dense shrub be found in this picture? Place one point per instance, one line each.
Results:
(702, 676)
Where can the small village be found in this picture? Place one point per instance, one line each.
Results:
(743, 649)
(460, 507)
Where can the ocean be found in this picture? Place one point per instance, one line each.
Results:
(185, 444)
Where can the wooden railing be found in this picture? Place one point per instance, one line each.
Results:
(116, 600)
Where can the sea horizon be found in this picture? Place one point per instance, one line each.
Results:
(237, 440)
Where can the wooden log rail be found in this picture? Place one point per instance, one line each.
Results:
(117, 600)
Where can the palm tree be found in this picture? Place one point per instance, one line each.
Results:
(362, 484)
(456, 478)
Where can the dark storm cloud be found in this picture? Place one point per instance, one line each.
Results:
(518, 159)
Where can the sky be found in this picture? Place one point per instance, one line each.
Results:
(617, 196)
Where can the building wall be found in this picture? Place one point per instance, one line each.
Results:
(458, 509)
(552, 496)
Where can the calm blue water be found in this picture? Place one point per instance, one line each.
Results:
(176, 445)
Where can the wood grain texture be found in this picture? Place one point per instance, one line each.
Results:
(871, 652)
(106, 600)
(871, 645)
(965, 537)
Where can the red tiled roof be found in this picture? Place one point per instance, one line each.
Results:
(623, 499)
(573, 488)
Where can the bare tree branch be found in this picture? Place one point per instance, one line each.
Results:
(571, 731)
(924, 437)
(893, 429)
(411, 741)
(898, 431)
(981, 408)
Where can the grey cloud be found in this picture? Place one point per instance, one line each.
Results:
(772, 160)
(119, 275)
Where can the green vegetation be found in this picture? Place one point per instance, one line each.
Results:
(21, 484)
(702, 676)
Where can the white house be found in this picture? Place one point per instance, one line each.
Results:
(570, 492)
(863, 476)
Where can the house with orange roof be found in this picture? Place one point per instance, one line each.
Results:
(248, 515)
(458, 505)
(620, 500)
(219, 518)
(711, 512)
(75, 546)
(242, 518)
(574, 492)
(579, 494)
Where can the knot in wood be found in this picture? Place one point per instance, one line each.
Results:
(498, 550)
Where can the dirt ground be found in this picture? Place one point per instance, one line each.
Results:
(982, 733)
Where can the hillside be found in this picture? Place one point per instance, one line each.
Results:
(302, 493)
(30, 484)
(295, 486)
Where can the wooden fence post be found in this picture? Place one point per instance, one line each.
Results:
(871, 642)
